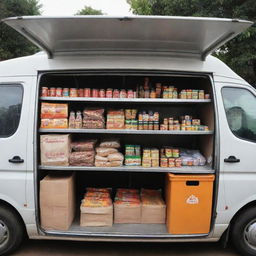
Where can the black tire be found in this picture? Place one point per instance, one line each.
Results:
(10, 223)
(238, 231)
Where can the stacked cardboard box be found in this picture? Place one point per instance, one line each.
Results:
(153, 208)
(96, 208)
(57, 201)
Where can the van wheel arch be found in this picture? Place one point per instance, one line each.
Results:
(14, 210)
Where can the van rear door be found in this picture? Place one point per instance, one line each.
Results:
(192, 37)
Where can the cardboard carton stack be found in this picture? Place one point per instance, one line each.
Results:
(96, 208)
(153, 208)
(127, 206)
(57, 201)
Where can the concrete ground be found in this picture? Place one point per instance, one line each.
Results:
(60, 248)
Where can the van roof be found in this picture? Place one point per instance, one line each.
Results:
(191, 37)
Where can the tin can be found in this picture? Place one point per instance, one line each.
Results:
(52, 92)
(134, 124)
(175, 153)
(164, 127)
(164, 162)
(183, 127)
(171, 127)
(80, 92)
(194, 94)
(140, 117)
(188, 128)
(123, 93)
(73, 92)
(152, 94)
(87, 92)
(156, 125)
(170, 120)
(116, 93)
(175, 94)
(65, 92)
(178, 162)
(156, 116)
(59, 92)
(145, 125)
(128, 124)
(171, 162)
(95, 93)
(166, 121)
(188, 122)
(109, 93)
(207, 96)
(165, 94)
(44, 92)
(176, 127)
(201, 94)
(150, 125)
(102, 93)
(140, 125)
(168, 152)
(189, 94)
(130, 94)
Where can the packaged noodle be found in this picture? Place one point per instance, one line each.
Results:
(54, 110)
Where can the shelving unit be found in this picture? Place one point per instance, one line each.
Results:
(126, 100)
(123, 131)
(184, 169)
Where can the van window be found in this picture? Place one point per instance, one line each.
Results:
(240, 107)
(10, 108)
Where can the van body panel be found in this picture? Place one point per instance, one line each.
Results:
(177, 36)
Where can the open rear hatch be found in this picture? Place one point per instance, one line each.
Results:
(179, 36)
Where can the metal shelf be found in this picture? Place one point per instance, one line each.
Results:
(123, 131)
(126, 100)
(184, 169)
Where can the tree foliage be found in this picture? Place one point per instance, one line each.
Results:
(87, 10)
(239, 53)
(12, 44)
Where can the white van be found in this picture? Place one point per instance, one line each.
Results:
(119, 52)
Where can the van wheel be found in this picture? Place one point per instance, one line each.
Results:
(243, 232)
(11, 231)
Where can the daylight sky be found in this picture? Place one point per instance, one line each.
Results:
(67, 7)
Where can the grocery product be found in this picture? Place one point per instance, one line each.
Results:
(57, 201)
(96, 208)
(93, 118)
(79, 120)
(84, 158)
(132, 155)
(105, 151)
(54, 110)
(192, 157)
(127, 206)
(115, 119)
(116, 157)
(72, 120)
(55, 149)
(86, 145)
(61, 123)
(153, 208)
(110, 143)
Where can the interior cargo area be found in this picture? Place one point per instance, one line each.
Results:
(138, 167)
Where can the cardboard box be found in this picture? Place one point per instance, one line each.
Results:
(127, 213)
(57, 201)
(154, 214)
(96, 216)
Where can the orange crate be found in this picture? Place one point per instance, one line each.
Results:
(189, 203)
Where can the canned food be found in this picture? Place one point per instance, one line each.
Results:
(145, 125)
(175, 94)
(127, 124)
(164, 127)
(150, 125)
(166, 121)
(123, 94)
(189, 94)
(156, 125)
(130, 94)
(195, 94)
(201, 94)
(207, 96)
(156, 116)
(137, 150)
(175, 153)
(59, 92)
(164, 162)
(95, 93)
(171, 127)
(171, 162)
(178, 162)
(80, 92)
(183, 127)
(102, 93)
(109, 93)
(44, 92)
(140, 126)
(152, 94)
(87, 92)
(116, 93)
(134, 124)
(73, 92)
(52, 92)
(168, 152)
(140, 117)
(165, 94)
(170, 120)
(188, 127)
(176, 127)
(65, 92)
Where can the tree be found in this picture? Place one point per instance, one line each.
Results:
(87, 10)
(239, 53)
(12, 44)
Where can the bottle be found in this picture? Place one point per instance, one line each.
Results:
(79, 120)
(71, 121)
